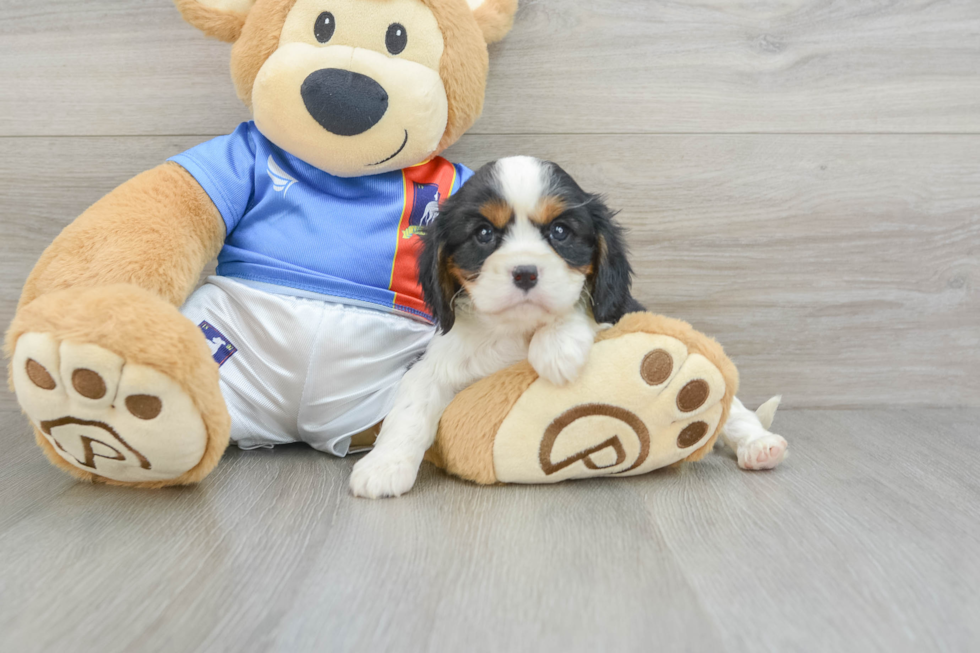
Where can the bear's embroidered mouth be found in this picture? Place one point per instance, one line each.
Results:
(404, 143)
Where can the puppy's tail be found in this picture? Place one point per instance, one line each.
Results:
(767, 411)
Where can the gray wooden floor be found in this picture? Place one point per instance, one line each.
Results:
(865, 540)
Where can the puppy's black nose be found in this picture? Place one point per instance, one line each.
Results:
(344, 102)
(525, 276)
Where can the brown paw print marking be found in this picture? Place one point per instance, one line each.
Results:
(656, 367)
(109, 440)
(691, 434)
(88, 384)
(39, 376)
(144, 406)
(92, 386)
(693, 395)
(563, 421)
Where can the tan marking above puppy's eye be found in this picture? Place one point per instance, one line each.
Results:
(497, 212)
(547, 210)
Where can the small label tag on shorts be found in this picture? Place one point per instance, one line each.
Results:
(221, 348)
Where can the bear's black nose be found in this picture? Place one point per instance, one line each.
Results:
(344, 102)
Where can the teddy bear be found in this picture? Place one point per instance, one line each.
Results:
(133, 375)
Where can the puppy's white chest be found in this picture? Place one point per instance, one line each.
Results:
(497, 354)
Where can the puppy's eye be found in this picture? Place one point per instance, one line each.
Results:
(396, 40)
(484, 235)
(324, 27)
(559, 232)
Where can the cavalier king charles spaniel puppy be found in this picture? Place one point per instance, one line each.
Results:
(521, 264)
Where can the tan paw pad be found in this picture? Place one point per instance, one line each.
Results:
(123, 422)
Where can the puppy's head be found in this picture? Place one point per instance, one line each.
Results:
(525, 243)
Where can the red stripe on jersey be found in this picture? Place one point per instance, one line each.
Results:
(426, 187)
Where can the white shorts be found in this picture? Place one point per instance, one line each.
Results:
(296, 369)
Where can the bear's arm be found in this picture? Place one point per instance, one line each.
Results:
(156, 231)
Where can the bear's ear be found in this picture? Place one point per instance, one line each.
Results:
(495, 17)
(222, 19)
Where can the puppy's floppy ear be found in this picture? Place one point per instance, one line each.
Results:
(612, 275)
(439, 287)
(222, 19)
(495, 17)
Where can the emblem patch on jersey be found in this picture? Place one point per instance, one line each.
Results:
(221, 348)
(282, 181)
(425, 208)
(426, 185)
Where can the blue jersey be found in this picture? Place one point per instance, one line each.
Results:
(290, 224)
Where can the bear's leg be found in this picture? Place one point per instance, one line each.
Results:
(748, 436)
(653, 393)
(119, 386)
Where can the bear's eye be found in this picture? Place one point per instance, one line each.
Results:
(325, 27)
(396, 39)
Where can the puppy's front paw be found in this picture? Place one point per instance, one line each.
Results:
(560, 355)
(764, 452)
(384, 474)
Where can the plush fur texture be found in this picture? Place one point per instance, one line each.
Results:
(464, 445)
(121, 294)
(463, 67)
(156, 231)
(222, 24)
(696, 343)
(299, 94)
(259, 39)
(114, 277)
(144, 329)
(496, 18)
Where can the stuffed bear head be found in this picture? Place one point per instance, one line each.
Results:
(358, 87)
